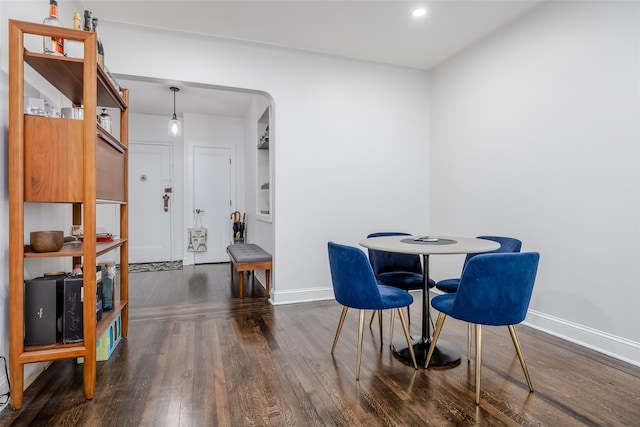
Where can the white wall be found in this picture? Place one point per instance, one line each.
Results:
(535, 135)
(351, 143)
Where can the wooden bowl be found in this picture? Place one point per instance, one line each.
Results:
(46, 241)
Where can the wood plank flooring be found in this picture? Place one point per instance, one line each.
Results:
(196, 355)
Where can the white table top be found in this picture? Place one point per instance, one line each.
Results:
(455, 245)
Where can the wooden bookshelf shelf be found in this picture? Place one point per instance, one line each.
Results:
(54, 160)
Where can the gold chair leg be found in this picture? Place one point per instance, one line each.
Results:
(469, 334)
(393, 315)
(373, 315)
(436, 334)
(516, 343)
(340, 323)
(406, 335)
(360, 335)
(478, 361)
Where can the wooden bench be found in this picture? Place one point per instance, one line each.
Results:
(249, 257)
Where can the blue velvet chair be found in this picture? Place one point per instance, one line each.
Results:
(495, 289)
(507, 244)
(402, 271)
(355, 286)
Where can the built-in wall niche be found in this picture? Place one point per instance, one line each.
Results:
(263, 173)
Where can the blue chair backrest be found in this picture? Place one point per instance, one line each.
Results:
(507, 244)
(495, 288)
(354, 284)
(387, 262)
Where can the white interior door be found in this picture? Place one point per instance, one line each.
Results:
(212, 196)
(149, 223)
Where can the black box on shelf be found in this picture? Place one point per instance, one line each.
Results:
(72, 321)
(42, 310)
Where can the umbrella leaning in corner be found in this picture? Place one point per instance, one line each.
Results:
(235, 216)
(242, 225)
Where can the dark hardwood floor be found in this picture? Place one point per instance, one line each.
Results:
(196, 355)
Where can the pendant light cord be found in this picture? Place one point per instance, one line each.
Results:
(174, 90)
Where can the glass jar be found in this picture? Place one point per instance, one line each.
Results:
(108, 286)
(104, 120)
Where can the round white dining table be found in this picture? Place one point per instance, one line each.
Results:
(445, 354)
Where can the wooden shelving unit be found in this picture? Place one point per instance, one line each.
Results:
(54, 160)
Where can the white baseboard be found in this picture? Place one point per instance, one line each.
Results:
(611, 345)
(302, 295)
(617, 347)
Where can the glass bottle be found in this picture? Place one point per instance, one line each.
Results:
(87, 20)
(105, 120)
(53, 45)
(108, 284)
(94, 22)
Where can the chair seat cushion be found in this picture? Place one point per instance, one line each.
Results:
(443, 303)
(403, 280)
(393, 297)
(448, 285)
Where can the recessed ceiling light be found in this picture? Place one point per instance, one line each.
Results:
(420, 12)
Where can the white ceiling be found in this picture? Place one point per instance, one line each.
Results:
(380, 31)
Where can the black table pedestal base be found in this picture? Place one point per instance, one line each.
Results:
(446, 355)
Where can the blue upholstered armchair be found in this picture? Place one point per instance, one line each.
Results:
(507, 244)
(402, 271)
(355, 286)
(495, 289)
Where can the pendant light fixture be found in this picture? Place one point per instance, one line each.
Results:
(174, 127)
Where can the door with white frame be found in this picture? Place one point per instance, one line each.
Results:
(150, 206)
(212, 182)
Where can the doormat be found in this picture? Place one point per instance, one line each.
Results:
(145, 267)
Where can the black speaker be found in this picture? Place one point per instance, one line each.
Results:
(41, 310)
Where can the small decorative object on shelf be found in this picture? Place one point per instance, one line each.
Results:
(76, 113)
(53, 45)
(104, 119)
(38, 107)
(76, 231)
(76, 21)
(46, 241)
(107, 286)
(264, 139)
(87, 20)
